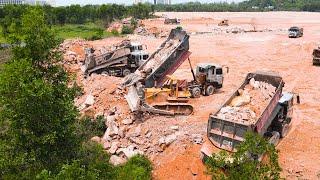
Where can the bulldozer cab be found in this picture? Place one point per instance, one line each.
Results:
(139, 57)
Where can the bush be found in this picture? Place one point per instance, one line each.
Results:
(244, 164)
(115, 32)
(98, 34)
(87, 128)
(127, 30)
(138, 167)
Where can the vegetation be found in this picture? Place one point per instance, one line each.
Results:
(245, 164)
(127, 30)
(88, 31)
(41, 136)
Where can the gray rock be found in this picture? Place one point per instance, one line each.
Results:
(127, 121)
(130, 151)
(114, 148)
(112, 126)
(106, 145)
(176, 128)
(96, 139)
(89, 100)
(167, 140)
(116, 160)
(197, 138)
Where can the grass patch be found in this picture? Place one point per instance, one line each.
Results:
(2, 39)
(86, 31)
(5, 55)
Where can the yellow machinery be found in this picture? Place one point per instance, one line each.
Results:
(173, 96)
(174, 90)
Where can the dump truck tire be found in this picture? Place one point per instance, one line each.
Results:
(196, 92)
(105, 73)
(126, 72)
(209, 90)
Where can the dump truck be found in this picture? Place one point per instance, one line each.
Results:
(154, 73)
(266, 111)
(121, 61)
(208, 78)
(295, 32)
(316, 56)
(164, 61)
(172, 21)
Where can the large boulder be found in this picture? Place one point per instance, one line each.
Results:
(116, 160)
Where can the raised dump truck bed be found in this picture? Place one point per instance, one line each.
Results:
(166, 59)
(244, 112)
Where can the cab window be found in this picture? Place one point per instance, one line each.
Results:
(219, 71)
(202, 70)
(145, 57)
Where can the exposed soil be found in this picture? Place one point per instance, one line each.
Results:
(242, 52)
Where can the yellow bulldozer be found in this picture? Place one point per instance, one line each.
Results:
(172, 96)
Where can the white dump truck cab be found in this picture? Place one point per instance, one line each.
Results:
(139, 57)
(212, 73)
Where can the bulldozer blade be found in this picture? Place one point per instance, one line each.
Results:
(133, 99)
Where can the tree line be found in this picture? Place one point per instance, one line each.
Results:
(76, 14)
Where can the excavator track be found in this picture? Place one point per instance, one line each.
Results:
(184, 109)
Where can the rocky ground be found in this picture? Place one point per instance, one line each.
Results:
(173, 143)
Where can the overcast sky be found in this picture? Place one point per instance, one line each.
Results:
(83, 2)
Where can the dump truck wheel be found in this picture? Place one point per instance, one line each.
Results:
(275, 138)
(196, 92)
(126, 72)
(284, 130)
(209, 90)
(105, 73)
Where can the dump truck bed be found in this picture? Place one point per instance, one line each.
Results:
(166, 59)
(107, 59)
(226, 133)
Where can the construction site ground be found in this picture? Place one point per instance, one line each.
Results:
(242, 51)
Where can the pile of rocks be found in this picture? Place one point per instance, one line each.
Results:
(250, 103)
(69, 49)
(161, 55)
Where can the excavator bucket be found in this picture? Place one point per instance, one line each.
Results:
(133, 99)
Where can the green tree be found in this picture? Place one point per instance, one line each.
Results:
(37, 112)
(245, 164)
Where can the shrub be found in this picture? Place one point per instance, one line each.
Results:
(115, 32)
(127, 30)
(243, 164)
(138, 167)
